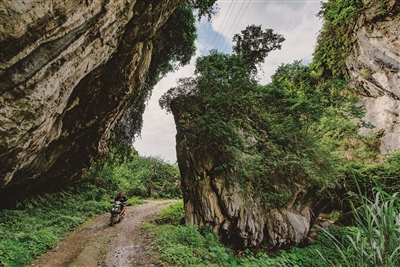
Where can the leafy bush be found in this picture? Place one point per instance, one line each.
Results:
(185, 246)
(123, 170)
(385, 175)
(172, 214)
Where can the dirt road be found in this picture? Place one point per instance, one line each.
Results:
(95, 243)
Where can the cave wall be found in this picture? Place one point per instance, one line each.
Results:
(68, 71)
(374, 69)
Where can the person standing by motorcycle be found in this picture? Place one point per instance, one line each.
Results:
(122, 198)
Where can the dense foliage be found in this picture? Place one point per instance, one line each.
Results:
(122, 169)
(335, 39)
(297, 127)
(376, 242)
(173, 47)
(268, 134)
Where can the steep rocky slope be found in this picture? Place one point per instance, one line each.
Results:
(68, 71)
(374, 67)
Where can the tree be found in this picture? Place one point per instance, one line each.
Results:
(254, 44)
(241, 142)
(224, 100)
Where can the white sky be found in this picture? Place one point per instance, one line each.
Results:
(296, 20)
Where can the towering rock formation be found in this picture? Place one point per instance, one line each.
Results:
(374, 67)
(212, 199)
(215, 200)
(68, 71)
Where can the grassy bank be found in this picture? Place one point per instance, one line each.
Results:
(372, 242)
(39, 223)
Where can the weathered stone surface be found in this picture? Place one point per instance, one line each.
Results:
(374, 67)
(68, 71)
(212, 199)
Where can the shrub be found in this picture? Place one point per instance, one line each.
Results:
(172, 214)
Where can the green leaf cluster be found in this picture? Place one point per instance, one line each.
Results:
(335, 39)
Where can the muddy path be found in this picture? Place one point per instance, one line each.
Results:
(95, 243)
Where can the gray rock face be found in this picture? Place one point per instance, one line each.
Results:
(212, 199)
(68, 71)
(374, 67)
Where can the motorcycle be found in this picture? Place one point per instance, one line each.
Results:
(115, 213)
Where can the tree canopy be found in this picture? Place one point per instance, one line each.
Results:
(261, 131)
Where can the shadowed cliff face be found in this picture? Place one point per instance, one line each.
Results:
(68, 71)
(374, 68)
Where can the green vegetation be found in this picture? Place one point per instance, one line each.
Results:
(146, 177)
(376, 243)
(385, 175)
(39, 223)
(172, 214)
(378, 227)
(335, 39)
(268, 134)
(190, 246)
(174, 47)
(298, 128)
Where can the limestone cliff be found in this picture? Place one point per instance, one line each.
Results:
(374, 67)
(234, 210)
(68, 71)
(213, 199)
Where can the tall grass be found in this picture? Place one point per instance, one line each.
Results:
(377, 242)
